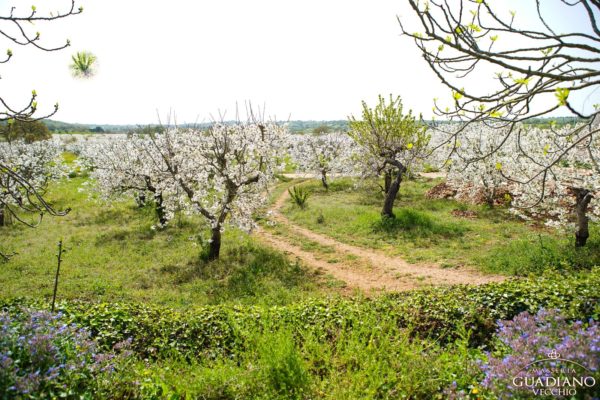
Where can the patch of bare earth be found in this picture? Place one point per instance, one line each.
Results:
(374, 270)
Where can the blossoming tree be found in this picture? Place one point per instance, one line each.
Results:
(323, 155)
(221, 173)
(474, 167)
(127, 166)
(19, 191)
(568, 193)
(24, 180)
(565, 195)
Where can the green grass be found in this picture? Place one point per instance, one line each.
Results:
(357, 365)
(404, 345)
(276, 365)
(68, 157)
(539, 252)
(114, 254)
(425, 230)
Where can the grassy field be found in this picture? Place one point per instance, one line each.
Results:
(426, 230)
(113, 253)
(258, 325)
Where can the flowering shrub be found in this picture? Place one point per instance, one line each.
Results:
(43, 357)
(542, 346)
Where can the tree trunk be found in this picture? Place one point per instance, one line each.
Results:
(215, 244)
(583, 198)
(159, 208)
(490, 196)
(5, 217)
(324, 180)
(140, 199)
(392, 192)
(387, 179)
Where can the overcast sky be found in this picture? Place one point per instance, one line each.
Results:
(306, 59)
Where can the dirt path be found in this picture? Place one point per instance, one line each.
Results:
(376, 271)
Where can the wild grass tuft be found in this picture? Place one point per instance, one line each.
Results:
(299, 196)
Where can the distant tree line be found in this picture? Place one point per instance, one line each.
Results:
(307, 127)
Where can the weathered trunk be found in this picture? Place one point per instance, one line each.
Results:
(215, 244)
(159, 208)
(5, 217)
(392, 192)
(140, 199)
(324, 180)
(583, 198)
(387, 181)
(490, 197)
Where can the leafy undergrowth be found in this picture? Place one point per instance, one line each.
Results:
(437, 230)
(412, 345)
(114, 253)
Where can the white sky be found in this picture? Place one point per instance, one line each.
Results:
(305, 59)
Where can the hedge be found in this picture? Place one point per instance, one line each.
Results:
(221, 331)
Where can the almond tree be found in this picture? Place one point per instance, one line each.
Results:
(474, 170)
(531, 68)
(221, 173)
(323, 155)
(23, 186)
(126, 166)
(394, 143)
(567, 196)
(18, 29)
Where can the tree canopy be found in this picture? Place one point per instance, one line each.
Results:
(392, 141)
(29, 131)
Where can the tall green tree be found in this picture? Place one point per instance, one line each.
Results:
(394, 141)
(27, 130)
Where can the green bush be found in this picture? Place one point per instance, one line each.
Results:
(440, 312)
